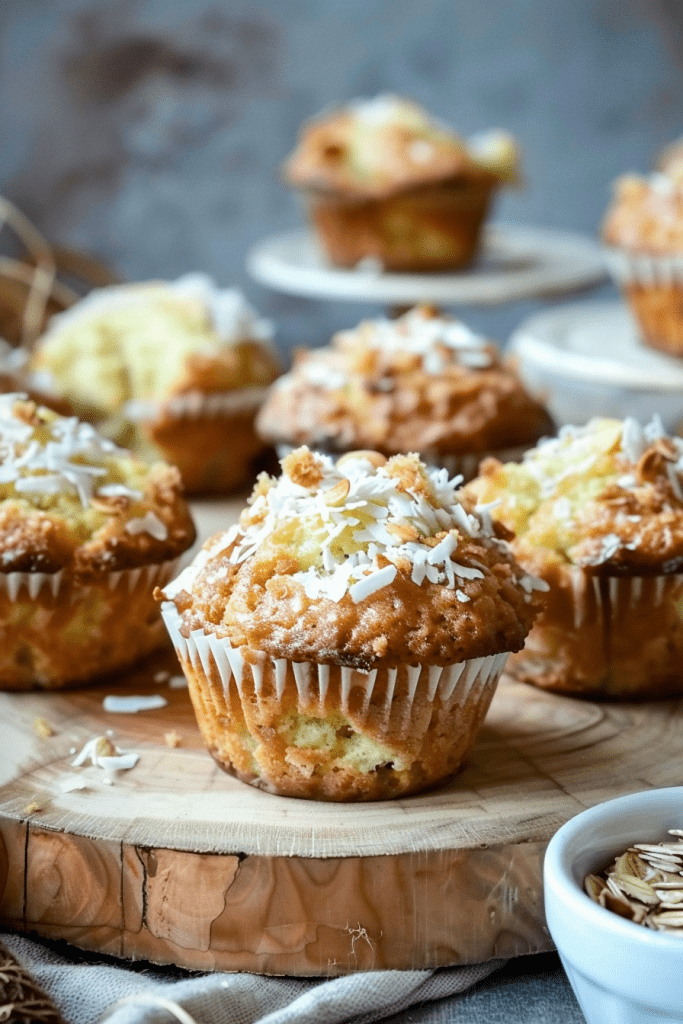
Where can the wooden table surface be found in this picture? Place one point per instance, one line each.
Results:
(177, 862)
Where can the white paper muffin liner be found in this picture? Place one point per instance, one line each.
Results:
(57, 631)
(621, 636)
(642, 269)
(606, 598)
(198, 405)
(389, 695)
(149, 576)
(467, 465)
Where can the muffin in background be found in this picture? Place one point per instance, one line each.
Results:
(382, 179)
(643, 231)
(172, 369)
(343, 642)
(86, 532)
(598, 514)
(421, 383)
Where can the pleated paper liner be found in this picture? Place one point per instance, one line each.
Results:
(616, 637)
(210, 437)
(57, 631)
(653, 289)
(330, 732)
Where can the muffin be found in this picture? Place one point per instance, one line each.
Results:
(86, 532)
(174, 370)
(643, 229)
(343, 642)
(422, 383)
(598, 514)
(384, 179)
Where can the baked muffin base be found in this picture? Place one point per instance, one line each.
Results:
(56, 631)
(210, 438)
(653, 289)
(610, 637)
(327, 732)
(426, 228)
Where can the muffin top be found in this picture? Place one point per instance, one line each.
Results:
(646, 212)
(150, 342)
(69, 499)
(423, 382)
(607, 497)
(364, 563)
(383, 145)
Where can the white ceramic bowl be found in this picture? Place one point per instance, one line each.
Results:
(621, 972)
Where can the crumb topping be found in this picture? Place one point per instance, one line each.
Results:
(66, 494)
(392, 527)
(378, 145)
(607, 496)
(646, 213)
(153, 342)
(421, 382)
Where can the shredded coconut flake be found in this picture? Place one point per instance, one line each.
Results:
(70, 461)
(131, 705)
(377, 514)
(149, 523)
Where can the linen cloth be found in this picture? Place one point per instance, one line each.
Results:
(88, 993)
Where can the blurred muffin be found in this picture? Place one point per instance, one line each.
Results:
(422, 383)
(598, 515)
(86, 531)
(384, 179)
(643, 229)
(172, 369)
(344, 641)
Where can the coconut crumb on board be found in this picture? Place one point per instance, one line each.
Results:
(130, 705)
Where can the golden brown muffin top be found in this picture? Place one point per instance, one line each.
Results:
(423, 382)
(383, 145)
(607, 497)
(646, 212)
(365, 562)
(126, 348)
(69, 499)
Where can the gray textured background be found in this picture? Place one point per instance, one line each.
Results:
(150, 132)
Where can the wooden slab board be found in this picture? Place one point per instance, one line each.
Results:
(177, 862)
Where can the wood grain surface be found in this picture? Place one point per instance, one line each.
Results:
(177, 862)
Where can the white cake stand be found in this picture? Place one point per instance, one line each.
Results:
(516, 262)
(587, 359)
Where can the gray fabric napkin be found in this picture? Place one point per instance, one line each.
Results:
(87, 993)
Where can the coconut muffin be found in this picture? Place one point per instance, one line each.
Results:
(598, 514)
(343, 642)
(86, 531)
(643, 229)
(383, 179)
(173, 369)
(422, 383)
